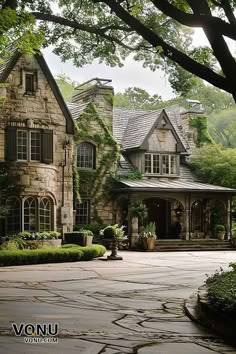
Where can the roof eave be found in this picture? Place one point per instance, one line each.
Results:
(175, 190)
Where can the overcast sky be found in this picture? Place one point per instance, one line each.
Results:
(132, 74)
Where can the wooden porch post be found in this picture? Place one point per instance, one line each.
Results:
(187, 217)
(134, 232)
(228, 218)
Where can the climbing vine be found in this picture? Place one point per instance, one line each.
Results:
(203, 136)
(96, 184)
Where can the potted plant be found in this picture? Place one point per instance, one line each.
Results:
(220, 232)
(113, 233)
(88, 236)
(149, 235)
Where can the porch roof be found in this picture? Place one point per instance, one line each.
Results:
(169, 186)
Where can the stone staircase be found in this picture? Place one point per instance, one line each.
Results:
(193, 245)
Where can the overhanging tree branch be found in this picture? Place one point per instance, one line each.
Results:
(86, 28)
(167, 50)
(193, 20)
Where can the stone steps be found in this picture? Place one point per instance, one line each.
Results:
(193, 245)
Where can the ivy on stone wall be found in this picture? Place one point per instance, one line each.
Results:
(201, 125)
(132, 175)
(96, 184)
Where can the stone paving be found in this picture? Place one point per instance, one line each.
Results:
(111, 307)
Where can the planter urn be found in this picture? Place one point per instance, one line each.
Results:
(150, 244)
(221, 235)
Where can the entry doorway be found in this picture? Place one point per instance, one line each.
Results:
(164, 213)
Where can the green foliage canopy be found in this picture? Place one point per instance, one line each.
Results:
(155, 32)
(216, 165)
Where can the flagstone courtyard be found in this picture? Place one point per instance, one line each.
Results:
(129, 306)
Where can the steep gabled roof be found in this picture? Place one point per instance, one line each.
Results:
(7, 66)
(131, 127)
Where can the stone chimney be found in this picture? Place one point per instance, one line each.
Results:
(100, 93)
(193, 123)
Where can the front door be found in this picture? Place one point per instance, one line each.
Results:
(159, 211)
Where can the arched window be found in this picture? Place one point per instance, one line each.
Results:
(86, 155)
(197, 217)
(13, 219)
(45, 214)
(30, 214)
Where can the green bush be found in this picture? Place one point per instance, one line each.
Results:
(69, 245)
(219, 228)
(45, 235)
(20, 257)
(112, 231)
(94, 228)
(72, 254)
(221, 291)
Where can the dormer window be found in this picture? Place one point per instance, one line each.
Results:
(86, 156)
(30, 82)
(161, 164)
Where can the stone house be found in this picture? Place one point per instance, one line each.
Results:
(36, 146)
(154, 149)
(56, 151)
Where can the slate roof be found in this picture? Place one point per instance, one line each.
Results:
(76, 109)
(164, 185)
(130, 127)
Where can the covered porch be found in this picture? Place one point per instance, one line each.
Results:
(181, 210)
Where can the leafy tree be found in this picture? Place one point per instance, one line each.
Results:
(212, 98)
(216, 165)
(156, 32)
(66, 86)
(222, 127)
(137, 98)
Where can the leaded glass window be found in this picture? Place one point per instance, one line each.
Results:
(35, 146)
(83, 212)
(45, 214)
(86, 156)
(30, 214)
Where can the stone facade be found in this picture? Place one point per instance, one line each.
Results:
(99, 127)
(40, 112)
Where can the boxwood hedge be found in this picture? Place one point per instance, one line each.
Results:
(221, 291)
(72, 254)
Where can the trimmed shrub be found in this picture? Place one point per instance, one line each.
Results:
(33, 236)
(20, 257)
(69, 245)
(70, 254)
(221, 291)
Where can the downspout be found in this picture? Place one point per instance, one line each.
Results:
(64, 163)
(189, 217)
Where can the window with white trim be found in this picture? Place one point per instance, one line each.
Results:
(161, 164)
(28, 145)
(45, 214)
(30, 215)
(83, 212)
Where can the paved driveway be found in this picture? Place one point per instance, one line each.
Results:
(111, 307)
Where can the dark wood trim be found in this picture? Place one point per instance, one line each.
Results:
(170, 126)
(57, 93)
(9, 66)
